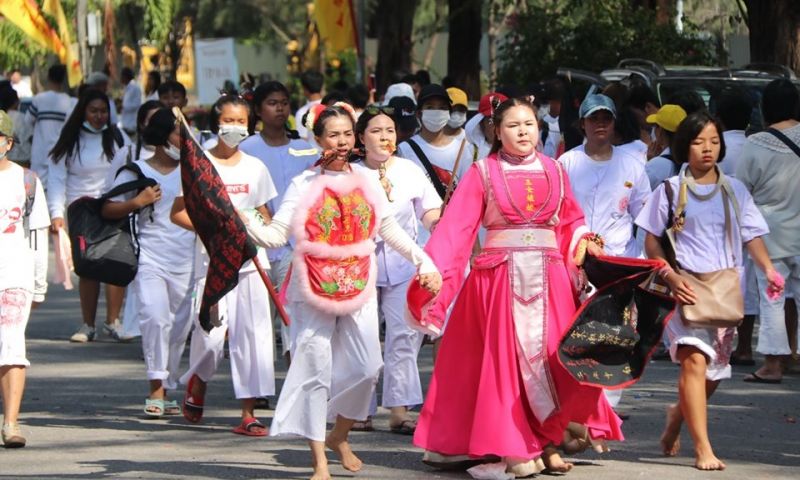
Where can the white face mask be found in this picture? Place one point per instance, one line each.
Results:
(457, 119)
(435, 120)
(233, 135)
(4, 152)
(88, 126)
(172, 151)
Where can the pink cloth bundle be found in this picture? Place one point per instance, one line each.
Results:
(64, 267)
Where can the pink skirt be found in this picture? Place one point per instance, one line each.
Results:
(476, 404)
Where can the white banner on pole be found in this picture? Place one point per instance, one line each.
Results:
(216, 64)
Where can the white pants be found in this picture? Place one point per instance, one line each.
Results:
(401, 384)
(277, 273)
(164, 300)
(15, 309)
(335, 366)
(773, 339)
(244, 312)
(130, 311)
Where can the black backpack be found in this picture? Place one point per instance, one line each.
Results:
(102, 249)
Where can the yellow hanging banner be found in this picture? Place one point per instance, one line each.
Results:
(336, 22)
(26, 16)
(53, 8)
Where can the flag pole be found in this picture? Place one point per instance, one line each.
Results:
(273, 294)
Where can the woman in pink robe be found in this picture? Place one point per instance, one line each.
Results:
(498, 388)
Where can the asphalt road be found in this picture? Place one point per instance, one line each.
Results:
(82, 414)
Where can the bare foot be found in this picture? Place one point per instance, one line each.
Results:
(321, 472)
(671, 438)
(342, 449)
(708, 461)
(553, 461)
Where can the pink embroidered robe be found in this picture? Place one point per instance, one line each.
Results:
(497, 386)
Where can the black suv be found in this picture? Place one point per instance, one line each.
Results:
(708, 82)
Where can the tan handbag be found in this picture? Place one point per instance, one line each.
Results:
(720, 303)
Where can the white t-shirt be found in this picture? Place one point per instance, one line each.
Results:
(611, 194)
(131, 100)
(660, 168)
(16, 256)
(734, 143)
(249, 186)
(162, 243)
(46, 116)
(443, 157)
(86, 175)
(636, 149)
(412, 196)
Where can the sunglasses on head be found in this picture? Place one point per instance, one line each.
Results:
(376, 109)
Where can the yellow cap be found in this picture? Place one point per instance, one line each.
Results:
(457, 97)
(6, 124)
(668, 117)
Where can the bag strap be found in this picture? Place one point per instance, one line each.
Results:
(783, 138)
(423, 159)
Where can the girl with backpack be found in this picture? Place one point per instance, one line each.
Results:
(163, 282)
(80, 164)
(712, 218)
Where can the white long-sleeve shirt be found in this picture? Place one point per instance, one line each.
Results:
(46, 116)
(83, 174)
(131, 100)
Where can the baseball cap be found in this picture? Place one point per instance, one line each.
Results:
(433, 91)
(398, 90)
(668, 117)
(96, 77)
(458, 97)
(6, 124)
(596, 102)
(404, 113)
(485, 106)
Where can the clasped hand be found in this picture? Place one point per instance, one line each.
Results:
(431, 282)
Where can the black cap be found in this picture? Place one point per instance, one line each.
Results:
(432, 91)
(404, 113)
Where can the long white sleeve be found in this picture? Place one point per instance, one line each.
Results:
(393, 234)
(274, 235)
(56, 187)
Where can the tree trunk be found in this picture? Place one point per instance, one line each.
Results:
(774, 32)
(463, 48)
(394, 26)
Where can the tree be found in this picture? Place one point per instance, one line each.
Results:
(774, 31)
(463, 48)
(394, 26)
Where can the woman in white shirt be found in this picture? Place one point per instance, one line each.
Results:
(412, 200)
(163, 282)
(80, 164)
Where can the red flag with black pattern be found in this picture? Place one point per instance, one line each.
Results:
(216, 222)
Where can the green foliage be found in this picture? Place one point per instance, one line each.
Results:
(593, 35)
(16, 49)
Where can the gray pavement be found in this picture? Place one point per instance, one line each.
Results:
(82, 414)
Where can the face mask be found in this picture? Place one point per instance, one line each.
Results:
(457, 119)
(172, 151)
(232, 135)
(435, 120)
(88, 126)
(3, 145)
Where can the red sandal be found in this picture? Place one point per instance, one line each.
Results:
(252, 428)
(193, 404)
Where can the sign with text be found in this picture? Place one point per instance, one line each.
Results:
(216, 64)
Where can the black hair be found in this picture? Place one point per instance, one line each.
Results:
(312, 81)
(331, 111)
(216, 111)
(155, 77)
(68, 143)
(171, 86)
(141, 115)
(780, 101)
(57, 73)
(358, 95)
(333, 97)
(500, 111)
(640, 95)
(126, 73)
(160, 127)
(733, 110)
(340, 86)
(689, 100)
(408, 78)
(8, 96)
(448, 81)
(363, 120)
(423, 77)
(265, 90)
(688, 130)
(627, 126)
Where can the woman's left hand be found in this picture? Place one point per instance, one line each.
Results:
(594, 249)
(432, 282)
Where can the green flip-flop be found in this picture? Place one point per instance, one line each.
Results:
(154, 407)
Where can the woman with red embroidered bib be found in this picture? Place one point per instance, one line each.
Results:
(497, 388)
(333, 214)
